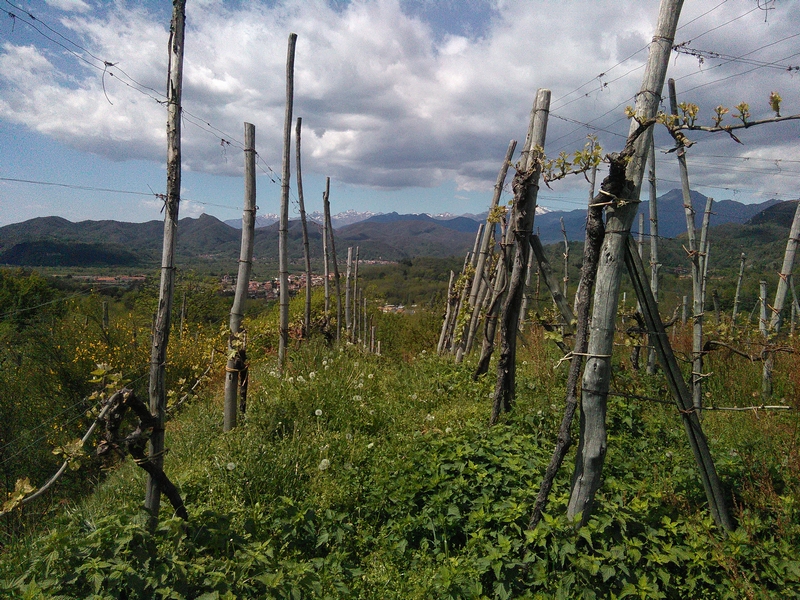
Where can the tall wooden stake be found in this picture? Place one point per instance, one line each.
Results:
(283, 230)
(526, 190)
(237, 359)
(619, 217)
(326, 201)
(654, 264)
(786, 272)
(304, 223)
(158, 354)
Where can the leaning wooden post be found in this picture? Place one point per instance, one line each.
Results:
(465, 307)
(715, 493)
(654, 264)
(237, 358)
(494, 300)
(304, 223)
(283, 230)
(695, 257)
(786, 271)
(448, 310)
(619, 217)
(158, 354)
(526, 190)
(487, 236)
(326, 201)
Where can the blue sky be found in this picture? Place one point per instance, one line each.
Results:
(407, 105)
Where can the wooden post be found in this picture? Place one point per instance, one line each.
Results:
(486, 239)
(654, 264)
(466, 307)
(494, 300)
(326, 273)
(526, 189)
(105, 317)
(526, 296)
(237, 358)
(565, 280)
(715, 494)
(448, 310)
(551, 282)
(696, 254)
(158, 354)
(304, 223)
(356, 329)
(786, 271)
(684, 310)
(347, 322)
(283, 228)
(326, 200)
(183, 313)
(767, 357)
(619, 217)
(736, 296)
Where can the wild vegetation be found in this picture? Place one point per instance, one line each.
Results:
(358, 475)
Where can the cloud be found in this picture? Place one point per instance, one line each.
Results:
(69, 5)
(389, 97)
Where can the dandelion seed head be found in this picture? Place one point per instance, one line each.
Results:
(318, 412)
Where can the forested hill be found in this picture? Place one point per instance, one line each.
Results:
(206, 242)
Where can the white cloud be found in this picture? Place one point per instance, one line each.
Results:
(69, 5)
(387, 100)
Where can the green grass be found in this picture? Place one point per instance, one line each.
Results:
(362, 476)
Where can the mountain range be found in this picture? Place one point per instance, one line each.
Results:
(207, 241)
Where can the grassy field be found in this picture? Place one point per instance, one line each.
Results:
(363, 476)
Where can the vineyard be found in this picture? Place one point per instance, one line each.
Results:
(537, 426)
(358, 475)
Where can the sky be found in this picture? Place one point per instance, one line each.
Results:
(407, 105)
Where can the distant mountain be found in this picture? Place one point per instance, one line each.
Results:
(206, 241)
(671, 216)
(341, 219)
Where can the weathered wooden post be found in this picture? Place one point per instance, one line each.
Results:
(767, 358)
(448, 311)
(619, 217)
(736, 295)
(326, 272)
(786, 271)
(478, 279)
(526, 189)
(283, 230)
(158, 354)
(347, 321)
(237, 359)
(326, 201)
(304, 224)
(654, 264)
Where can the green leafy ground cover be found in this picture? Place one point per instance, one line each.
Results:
(363, 476)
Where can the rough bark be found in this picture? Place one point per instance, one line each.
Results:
(158, 354)
(304, 224)
(236, 350)
(619, 217)
(283, 229)
(526, 189)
